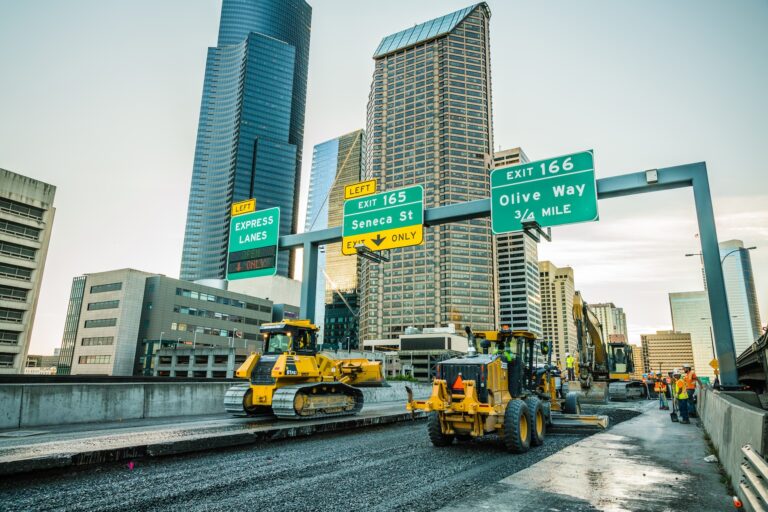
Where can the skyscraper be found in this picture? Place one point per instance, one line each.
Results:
(251, 127)
(613, 320)
(335, 164)
(557, 291)
(740, 290)
(666, 350)
(690, 313)
(26, 221)
(517, 267)
(429, 124)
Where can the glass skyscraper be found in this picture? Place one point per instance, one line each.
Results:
(251, 127)
(429, 124)
(742, 295)
(335, 164)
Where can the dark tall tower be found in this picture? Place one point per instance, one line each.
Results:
(429, 124)
(251, 127)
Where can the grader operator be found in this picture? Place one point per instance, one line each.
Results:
(291, 379)
(503, 392)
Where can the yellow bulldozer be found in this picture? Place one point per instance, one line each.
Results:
(291, 379)
(503, 391)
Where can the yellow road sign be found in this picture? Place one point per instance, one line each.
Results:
(361, 189)
(247, 206)
(715, 364)
(387, 239)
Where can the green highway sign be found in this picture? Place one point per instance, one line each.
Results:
(253, 239)
(386, 220)
(551, 192)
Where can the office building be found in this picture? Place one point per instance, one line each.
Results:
(251, 127)
(613, 319)
(335, 164)
(742, 296)
(690, 313)
(340, 329)
(637, 358)
(666, 350)
(26, 220)
(517, 267)
(429, 124)
(118, 320)
(557, 291)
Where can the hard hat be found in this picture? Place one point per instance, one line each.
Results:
(567, 353)
(686, 365)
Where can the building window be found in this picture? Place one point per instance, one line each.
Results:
(107, 304)
(101, 322)
(11, 315)
(6, 360)
(97, 341)
(19, 230)
(110, 287)
(11, 293)
(17, 251)
(20, 209)
(9, 337)
(14, 272)
(102, 359)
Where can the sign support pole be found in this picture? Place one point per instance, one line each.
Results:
(308, 282)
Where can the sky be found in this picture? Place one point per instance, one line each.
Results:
(101, 98)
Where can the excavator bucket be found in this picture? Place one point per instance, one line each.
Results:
(596, 393)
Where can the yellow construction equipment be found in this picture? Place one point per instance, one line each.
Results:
(291, 379)
(603, 368)
(505, 392)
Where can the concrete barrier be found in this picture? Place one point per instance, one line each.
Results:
(730, 424)
(35, 405)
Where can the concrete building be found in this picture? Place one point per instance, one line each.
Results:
(742, 296)
(41, 365)
(690, 313)
(251, 128)
(198, 362)
(666, 350)
(517, 267)
(118, 319)
(557, 291)
(613, 319)
(637, 357)
(429, 124)
(335, 164)
(26, 221)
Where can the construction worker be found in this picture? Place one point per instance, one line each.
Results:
(504, 352)
(691, 379)
(681, 394)
(569, 361)
(660, 387)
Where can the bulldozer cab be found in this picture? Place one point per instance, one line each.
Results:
(298, 336)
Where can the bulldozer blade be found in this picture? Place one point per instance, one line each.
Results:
(597, 393)
(578, 422)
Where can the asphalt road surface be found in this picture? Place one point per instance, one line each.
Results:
(375, 469)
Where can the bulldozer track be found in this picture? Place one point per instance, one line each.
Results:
(284, 400)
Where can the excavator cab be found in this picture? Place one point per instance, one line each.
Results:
(620, 361)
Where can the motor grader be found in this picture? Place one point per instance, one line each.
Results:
(502, 391)
(291, 379)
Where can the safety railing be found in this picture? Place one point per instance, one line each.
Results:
(754, 479)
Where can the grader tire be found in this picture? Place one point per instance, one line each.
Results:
(572, 404)
(436, 433)
(538, 420)
(517, 427)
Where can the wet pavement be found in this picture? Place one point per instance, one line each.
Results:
(645, 464)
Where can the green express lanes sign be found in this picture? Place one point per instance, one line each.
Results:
(386, 220)
(552, 192)
(253, 239)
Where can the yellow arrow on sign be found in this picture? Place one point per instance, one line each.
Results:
(383, 240)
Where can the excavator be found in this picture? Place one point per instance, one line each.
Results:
(292, 380)
(603, 369)
(508, 394)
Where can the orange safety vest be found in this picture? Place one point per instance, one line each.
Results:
(681, 390)
(660, 387)
(690, 379)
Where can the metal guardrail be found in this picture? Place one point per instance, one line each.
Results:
(754, 479)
